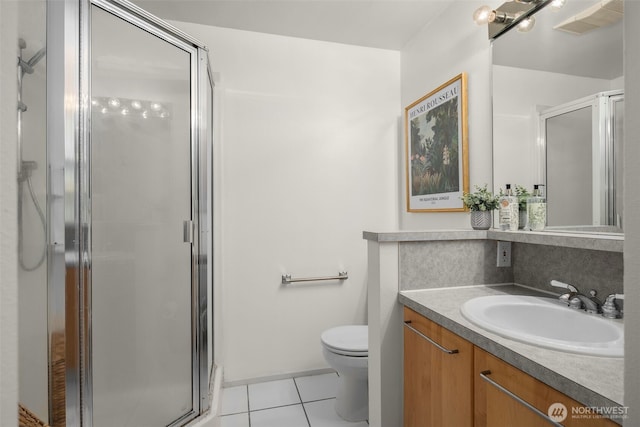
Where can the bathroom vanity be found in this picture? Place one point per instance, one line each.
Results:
(425, 277)
(493, 381)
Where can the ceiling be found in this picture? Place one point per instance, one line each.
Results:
(385, 24)
(390, 24)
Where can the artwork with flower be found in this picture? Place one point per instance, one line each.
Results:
(434, 148)
(436, 144)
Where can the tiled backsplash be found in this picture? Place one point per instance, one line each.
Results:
(436, 264)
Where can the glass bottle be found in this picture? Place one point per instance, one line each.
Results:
(536, 210)
(508, 210)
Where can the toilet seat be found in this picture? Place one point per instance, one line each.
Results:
(350, 340)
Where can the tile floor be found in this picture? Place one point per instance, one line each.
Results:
(295, 402)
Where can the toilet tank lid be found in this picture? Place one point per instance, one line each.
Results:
(348, 337)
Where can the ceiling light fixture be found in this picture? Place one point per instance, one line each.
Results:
(515, 13)
(557, 4)
(526, 24)
(483, 14)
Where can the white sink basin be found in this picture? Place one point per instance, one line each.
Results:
(546, 322)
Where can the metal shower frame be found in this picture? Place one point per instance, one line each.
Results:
(69, 210)
(602, 146)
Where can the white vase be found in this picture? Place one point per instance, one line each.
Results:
(480, 220)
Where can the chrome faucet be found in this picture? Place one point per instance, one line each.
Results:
(575, 299)
(565, 298)
(590, 303)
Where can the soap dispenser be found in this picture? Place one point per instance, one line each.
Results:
(536, 210)
(508, 210)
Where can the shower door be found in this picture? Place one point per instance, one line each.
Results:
(142, 325)
(582, 167)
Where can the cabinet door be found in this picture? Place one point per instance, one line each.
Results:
(495, 407)
(438, 368)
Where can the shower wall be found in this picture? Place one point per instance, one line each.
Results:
(32, 285)
(8, 217)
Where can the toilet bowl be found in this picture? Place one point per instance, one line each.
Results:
(346, 349)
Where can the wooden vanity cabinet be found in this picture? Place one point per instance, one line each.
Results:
(495, 407)
(438, 368)
(448, 382)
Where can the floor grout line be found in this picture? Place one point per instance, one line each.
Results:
(246, 387)
(301, 402)
(318, 400)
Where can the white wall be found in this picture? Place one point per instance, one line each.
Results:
(447, 46)
(632, 211)
(307, 136)
(32, 290)
(8, 218)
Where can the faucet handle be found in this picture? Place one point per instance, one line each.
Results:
(558, 284)
(566, 298)
(609, 308)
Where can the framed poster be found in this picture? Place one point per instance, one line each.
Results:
(437, 165)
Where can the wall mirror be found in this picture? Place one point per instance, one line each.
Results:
(558, 108)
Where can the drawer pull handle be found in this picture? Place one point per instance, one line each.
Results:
(446, 350)
(484, 376)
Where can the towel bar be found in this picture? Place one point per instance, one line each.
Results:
(286, 278)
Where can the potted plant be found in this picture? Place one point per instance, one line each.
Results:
(480, 203)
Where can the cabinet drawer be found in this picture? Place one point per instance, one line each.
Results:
(438, 368)
(506, 397)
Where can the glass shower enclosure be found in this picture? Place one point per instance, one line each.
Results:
(581, 152)
(125, 328)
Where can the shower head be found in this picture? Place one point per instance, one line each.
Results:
(27, 66)
(37, 57)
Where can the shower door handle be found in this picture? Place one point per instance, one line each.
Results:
(187, 231)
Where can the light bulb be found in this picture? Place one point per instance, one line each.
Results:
(526, 24)
(114, 102)
(145, 114)
(557, 4)
(155, 106)
(124, 111)
(136, 104)
(483, 15)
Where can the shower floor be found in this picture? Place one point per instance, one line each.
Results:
(295, 402)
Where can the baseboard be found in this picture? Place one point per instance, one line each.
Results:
(278, 377)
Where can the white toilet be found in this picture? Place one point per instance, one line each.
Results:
(346, 349)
